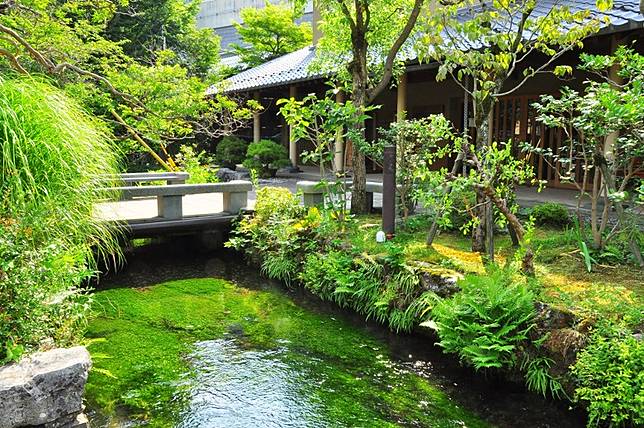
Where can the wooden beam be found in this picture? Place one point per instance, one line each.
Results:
(257, 125)
(292, 144)
(401, 98)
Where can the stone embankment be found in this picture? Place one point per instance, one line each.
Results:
(45, 390)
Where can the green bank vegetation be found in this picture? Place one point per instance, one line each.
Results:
(53, 154)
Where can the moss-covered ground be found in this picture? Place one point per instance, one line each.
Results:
(606, 291)
(142, 341)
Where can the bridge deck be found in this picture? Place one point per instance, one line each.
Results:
(201, 212)
(158, 227)
(146, 208)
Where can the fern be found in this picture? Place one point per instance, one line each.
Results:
(486, 322)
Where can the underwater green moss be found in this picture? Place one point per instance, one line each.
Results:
(143, 345)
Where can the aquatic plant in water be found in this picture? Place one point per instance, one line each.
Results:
(205, 351)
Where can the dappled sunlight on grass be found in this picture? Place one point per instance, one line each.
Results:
(469, 261)
(609, 290)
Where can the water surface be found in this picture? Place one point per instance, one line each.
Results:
(200, 340)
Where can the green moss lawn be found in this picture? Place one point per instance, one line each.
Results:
(609, 290)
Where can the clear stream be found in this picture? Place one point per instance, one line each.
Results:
(187, 339)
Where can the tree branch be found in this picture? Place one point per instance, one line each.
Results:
(13, 60)
(393, 52)
(347, 14)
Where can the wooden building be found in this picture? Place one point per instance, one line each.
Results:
(418, 93)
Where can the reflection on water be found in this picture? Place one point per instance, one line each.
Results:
(234, 387)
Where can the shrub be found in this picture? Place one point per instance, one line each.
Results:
(52, 156)
(275, 234)
(39, 291)
(231, 151)
(610, 375)
(487, 321)
(551, 214)
(197, 165)
(266, 157)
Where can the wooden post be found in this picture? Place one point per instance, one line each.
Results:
(338, 159)
(389, 191)
(257, 129)
(401, 98)
(613, 74)
(292, 144)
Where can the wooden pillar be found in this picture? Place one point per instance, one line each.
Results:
(401, 98)
(338, 159)
(292, 144)
(613, 74)
(257, 125)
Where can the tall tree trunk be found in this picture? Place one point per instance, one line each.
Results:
(481, 118)
(359, 74)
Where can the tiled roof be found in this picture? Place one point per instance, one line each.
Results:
(294, 67)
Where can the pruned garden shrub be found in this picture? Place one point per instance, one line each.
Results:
(231, 151)
(266, 157)
(551, 214)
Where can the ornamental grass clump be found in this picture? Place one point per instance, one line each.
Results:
(52, 156)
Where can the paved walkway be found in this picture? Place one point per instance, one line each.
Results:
(212, 203)
(526, 196)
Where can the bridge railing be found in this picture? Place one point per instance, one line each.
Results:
(131, 178)
(313, 192)
(170, 198)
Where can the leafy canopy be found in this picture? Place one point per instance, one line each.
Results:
(120, 62)
(488, 42)
(384, 22)
(146, 27)
(269, 32)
